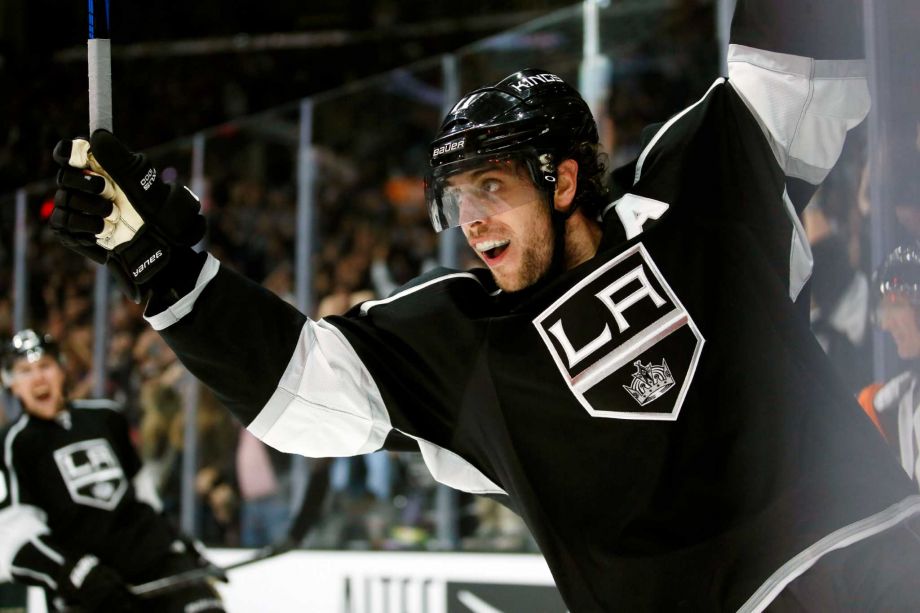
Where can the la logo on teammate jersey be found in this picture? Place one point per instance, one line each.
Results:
(92, 473)
(623, 342)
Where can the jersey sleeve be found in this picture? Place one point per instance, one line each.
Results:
(753, 149)
(797, 65)
(295, 383)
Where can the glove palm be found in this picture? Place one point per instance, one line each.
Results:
(112, 207)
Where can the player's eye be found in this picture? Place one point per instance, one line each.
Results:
(21, 373)
(490, 185)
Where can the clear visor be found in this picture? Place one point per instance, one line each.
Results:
(477, 188)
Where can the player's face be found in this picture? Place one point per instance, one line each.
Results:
(899, 318)
(39, 385)
(517, 243)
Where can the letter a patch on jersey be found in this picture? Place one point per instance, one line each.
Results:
(92, 473)
(622, 340)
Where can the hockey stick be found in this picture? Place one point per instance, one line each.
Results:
(99, 73)
(306, 518)
(165, 585)
(99, 64)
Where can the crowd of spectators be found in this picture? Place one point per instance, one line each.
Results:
(371, 235)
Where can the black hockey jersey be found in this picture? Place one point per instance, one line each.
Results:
(661, 416)
(66, 490)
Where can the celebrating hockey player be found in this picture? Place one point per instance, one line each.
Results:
(632, 371)
(71, 521)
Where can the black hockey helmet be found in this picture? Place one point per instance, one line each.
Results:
(897, 276)
(899, 273)
(531, 116)
(25, 344)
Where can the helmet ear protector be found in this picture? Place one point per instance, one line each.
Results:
(25, 344)
(531, 118)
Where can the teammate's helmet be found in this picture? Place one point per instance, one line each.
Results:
(900, 273)
(531, 116)
(897, 277)
(25, 344)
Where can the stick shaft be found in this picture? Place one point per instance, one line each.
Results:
(99, 58)
(306, 518)
(99, 54)
(172, 583)
(175, 582)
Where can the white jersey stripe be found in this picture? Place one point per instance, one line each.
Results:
(665, 127)
(51, 583)
(839, 539)
(452, 470)
(53, 555)
(365, 307)
(184, 305)
(19, 524)
(8, 456)
(804, 106)
(326, 403)
(801, 259)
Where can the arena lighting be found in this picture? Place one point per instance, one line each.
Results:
(44, 211)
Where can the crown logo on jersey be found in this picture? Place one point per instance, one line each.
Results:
(650, 381)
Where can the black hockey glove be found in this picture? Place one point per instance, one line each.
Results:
(112, 207)
(95, 587)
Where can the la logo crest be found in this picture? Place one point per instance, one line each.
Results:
(624, 344)
(92, 473)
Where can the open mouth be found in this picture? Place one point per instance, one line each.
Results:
(41, 394)
(492, 250)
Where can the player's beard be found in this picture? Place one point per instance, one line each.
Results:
(536, 257)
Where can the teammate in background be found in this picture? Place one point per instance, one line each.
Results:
(840, 311)
(634, 373)
(895, 405)
(71, 520)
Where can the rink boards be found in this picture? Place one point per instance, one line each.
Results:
(387, 582)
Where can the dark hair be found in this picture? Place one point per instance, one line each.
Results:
(593, 190)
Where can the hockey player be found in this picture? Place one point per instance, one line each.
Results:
(635, 375)
(895, 405)
(71, 521)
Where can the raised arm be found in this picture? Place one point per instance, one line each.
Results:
(798, 66)
(295, 383)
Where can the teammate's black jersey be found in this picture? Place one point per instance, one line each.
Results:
(66, 490)
(661, 415)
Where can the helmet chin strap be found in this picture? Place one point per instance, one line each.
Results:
(547, 166)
